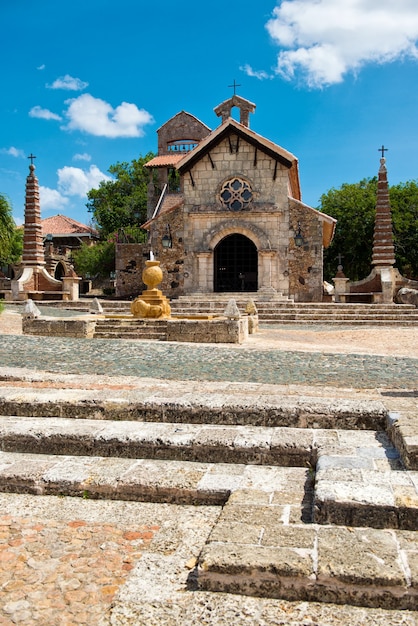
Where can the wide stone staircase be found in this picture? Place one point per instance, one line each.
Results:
(317, 503)
(288, 312)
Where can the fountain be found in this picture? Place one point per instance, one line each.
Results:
(148, 310)
(151, 303)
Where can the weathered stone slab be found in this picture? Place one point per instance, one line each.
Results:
(63, 327)
(361, 567)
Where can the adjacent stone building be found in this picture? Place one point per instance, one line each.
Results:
(225, 212)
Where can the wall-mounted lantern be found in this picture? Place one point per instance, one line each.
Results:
(298, 237)
(166, 241)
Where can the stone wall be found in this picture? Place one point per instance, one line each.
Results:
(306, 261)
(129, 263)
(181, 126)
(171, 259)
(208, 331)
(54, 327)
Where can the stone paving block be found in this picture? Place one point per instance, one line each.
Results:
(300, 538)
(263, 564)
(254, 515)
(19, 473)
(236, 532)
(250, 496)
(222, 477)
(326, 462)
(359, 556)
(253, 437)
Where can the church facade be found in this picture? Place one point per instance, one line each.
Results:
(225, 212)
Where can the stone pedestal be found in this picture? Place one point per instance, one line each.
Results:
(151, 303)
(340, 284)
(71, 286)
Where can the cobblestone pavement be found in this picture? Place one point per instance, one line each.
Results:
(203, 362)
(69, 561)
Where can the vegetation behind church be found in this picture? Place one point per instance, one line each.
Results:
(353, 205)
(118, 207)
(122, 202)
(11, 238)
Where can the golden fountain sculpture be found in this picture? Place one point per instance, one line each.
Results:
(151, 303)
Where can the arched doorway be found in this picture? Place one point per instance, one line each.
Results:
(59, 271)
(236, 264)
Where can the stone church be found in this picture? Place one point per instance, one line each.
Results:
(225, 213)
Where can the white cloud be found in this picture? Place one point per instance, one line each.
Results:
(43, 114)
(52, 199)
(73, 181)
(329, 38)
(41, 67)
(97, 117)
(260, 74)
(69, 83)
(14, 152)
(82, 157)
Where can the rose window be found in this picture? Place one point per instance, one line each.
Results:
(236, 194)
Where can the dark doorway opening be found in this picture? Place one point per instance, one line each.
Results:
(59, 271)
(236, 264)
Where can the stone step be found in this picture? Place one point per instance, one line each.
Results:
(141, 480)
(254, 551)
(289, 447)
(344, 322)
(198, 403)
(359, 477)
(129, 334)
(121, 328)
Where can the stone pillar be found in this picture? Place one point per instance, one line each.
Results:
(71, 286)
(340, 284)
(267, 270)
(204, 272)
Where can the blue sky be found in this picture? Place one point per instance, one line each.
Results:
(87, 83)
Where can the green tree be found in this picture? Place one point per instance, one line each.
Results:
(121, 202)
(354, 206)
(11, 239)
(97, 261)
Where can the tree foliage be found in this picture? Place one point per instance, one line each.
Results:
(97, 261)
(11, 239)
(121, 202)
(354, 206)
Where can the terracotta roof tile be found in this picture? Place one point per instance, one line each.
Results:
(165, 160)
(62, 225)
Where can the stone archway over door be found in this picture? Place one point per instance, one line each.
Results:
(235, 264)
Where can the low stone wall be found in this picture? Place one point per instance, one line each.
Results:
(54, 327)
(220, 330)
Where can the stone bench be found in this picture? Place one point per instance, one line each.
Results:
(374, 297)
(46, 295)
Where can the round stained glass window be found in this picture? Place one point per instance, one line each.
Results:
(236, 194)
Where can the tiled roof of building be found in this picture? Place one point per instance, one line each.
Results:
(165, 160)
(66, 226)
